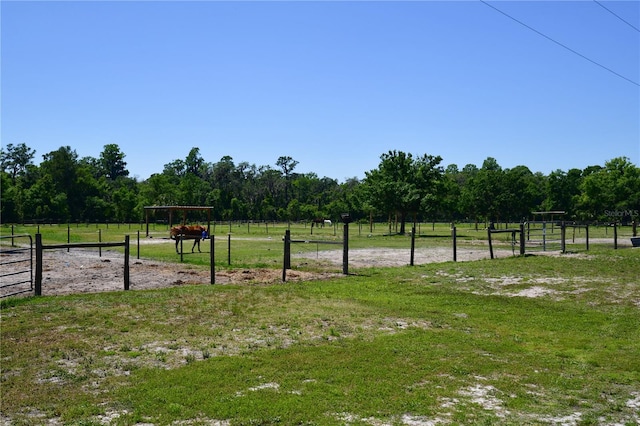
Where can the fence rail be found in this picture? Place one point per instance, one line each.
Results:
(41, 247)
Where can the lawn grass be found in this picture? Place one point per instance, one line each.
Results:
(449, 343)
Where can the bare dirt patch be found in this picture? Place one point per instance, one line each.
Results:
(381, 257)
(85, 271)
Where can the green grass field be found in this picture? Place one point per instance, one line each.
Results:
(540, 340)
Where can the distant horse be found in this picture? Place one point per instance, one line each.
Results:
(320, 222)
(190, 232)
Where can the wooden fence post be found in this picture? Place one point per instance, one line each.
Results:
(212, 260)
(413, 244)
(287, 249)
(38, 285)
(586, 230)
(490, 245)
(126, 262)
(454, 236)
(286, 264)
(345, 249)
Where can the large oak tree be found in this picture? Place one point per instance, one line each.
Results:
(403, 184)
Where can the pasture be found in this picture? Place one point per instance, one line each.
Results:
(538, 339)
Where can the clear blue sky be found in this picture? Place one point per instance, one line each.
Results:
(331, 84)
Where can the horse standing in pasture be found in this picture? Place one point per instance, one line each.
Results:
(188, 232)
(320, 222)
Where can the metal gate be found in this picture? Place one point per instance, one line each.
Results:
(543, 236)
(16, 264)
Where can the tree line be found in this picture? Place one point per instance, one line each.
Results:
(403, 188)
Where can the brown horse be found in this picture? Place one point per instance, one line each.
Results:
(188, 232)
(320, 222)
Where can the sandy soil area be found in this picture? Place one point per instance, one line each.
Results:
(85, 271)
(365, 258)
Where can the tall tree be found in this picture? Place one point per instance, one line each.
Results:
(174, 170)
(18, 174)
(159, 190)
(272, 184)
(449, 202)
(614, 188)
(522, 195)
(224, 178)
(402, 184)
(15, 159)
(112, 162)
(251, 191)
(62, 166)
(485, 191)
(44, 201)
(469, 203)
(561, 191)
(287, 164)
(10, 202)
(194, 162)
